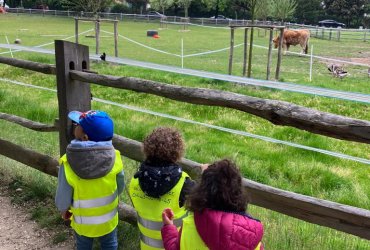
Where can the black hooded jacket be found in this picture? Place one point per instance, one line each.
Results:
(156, 179)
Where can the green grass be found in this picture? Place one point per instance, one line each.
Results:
(280, 166)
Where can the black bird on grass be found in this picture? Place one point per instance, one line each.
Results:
(103, 56)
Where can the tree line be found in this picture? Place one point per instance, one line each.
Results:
(353, 13)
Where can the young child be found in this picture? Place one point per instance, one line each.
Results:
(218, 220)
(90, 180)
(158, 184)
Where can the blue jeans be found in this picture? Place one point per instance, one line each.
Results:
(107, 242)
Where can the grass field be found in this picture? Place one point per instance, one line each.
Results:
(277, 165)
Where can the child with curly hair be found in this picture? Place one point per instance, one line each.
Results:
(158, 184)
(218, 220)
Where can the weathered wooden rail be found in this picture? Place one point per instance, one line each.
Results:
(71, 81)
(277, 112)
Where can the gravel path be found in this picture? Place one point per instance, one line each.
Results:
(19, 232)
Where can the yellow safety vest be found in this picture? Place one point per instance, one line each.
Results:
(95, 201)
(190, 238)
(150, 210)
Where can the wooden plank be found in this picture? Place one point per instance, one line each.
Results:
(245, 54)
(35, 66)
(341, 217)
(231, 50)
(72, 94)
(76, 29)
(269, 56)
(97, 36)
(277, 73)
(115, 39)
(277, 112)
(43, 163)
(28, 123)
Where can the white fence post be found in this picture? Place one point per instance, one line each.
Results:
(182, 53)
(311, 62)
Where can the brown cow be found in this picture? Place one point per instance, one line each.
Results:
(294, 37)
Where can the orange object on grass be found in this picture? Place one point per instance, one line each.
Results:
(156, 36)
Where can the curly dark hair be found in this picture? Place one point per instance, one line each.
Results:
(220, 188)
(164, 145)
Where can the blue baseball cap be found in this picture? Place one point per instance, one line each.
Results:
(96, 124)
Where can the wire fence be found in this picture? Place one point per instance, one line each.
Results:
(316, 31)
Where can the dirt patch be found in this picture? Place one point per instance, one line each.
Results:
(21, 233)
(364, 59)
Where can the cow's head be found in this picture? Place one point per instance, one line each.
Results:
(276, 42)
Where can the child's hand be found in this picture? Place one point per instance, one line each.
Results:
(167, 216)
(204, 167)
(66, 215)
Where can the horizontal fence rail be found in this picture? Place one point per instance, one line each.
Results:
(316, 31)
(341, 217)
(277, 112)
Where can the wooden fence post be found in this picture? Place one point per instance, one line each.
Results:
(231, 50)
(245, 54)
(115, 38)
(269, 57)
(72, 94)
(76, 29)
(97, 35)
(277, 73)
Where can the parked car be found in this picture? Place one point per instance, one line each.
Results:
(220, 17)
(155, 14)
(331, 24)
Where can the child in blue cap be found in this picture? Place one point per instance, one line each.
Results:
(90, 180)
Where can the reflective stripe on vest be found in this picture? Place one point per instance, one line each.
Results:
(157, 225)
(94, 220)
(151, 242)
(150, 209)
(95, 201)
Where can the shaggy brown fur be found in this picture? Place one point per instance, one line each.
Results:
(294, 37)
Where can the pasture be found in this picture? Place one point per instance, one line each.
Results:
(277, 165)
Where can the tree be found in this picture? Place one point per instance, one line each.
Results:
(350, 11)
(161, 5)
(185, 4)
(137, 5)
(87, 5)
(309, 12)
(263, 9)
(217, 5)
(283, 9)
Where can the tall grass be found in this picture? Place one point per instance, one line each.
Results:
(284, 167)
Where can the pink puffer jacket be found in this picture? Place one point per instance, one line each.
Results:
(219, 231)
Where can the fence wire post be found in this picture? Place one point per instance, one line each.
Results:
(311, 63)
(182, 53)
(72, 94)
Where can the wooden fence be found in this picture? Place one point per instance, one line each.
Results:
(74, 78)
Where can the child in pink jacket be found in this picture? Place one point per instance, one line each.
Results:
(218, 220)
